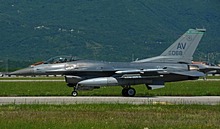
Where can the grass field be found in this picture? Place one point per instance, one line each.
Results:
(109, 116)
(33, 78)
(185, 88)
(213, 77)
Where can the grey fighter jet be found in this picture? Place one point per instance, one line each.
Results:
(172, 65)
(206, 68)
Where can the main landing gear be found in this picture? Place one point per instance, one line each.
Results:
(128, 91)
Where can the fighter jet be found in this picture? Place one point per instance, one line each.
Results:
(172, 65)
(206, 68)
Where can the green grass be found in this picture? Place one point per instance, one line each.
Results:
(186, 88)
(33, 78)
(213, 77)
(109, 116)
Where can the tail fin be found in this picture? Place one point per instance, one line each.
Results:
(182, 50)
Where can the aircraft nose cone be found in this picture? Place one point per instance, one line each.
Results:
(25, 71)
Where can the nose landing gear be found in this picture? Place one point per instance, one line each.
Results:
(75, 93)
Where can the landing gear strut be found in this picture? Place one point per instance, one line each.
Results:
(128, 91)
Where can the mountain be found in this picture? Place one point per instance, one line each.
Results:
(111, 30)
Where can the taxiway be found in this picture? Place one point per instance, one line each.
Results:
(206, 100)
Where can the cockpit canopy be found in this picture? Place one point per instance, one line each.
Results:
(60, 59)
(57, 59)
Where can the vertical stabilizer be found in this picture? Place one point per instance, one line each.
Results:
(182, 49)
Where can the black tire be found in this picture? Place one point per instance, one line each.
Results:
(124, 92)
(74, 93)
(131, 92)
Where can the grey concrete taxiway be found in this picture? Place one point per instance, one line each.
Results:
(206, 100)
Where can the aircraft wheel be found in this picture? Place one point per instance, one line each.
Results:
(74, 93)
(131, 92)
(124, 92)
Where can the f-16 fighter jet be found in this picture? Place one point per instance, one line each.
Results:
(172, 65)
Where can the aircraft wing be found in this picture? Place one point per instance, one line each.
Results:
(139, 71)
(135, 73)
(190, 73)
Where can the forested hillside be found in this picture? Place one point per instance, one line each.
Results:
(111, 30)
